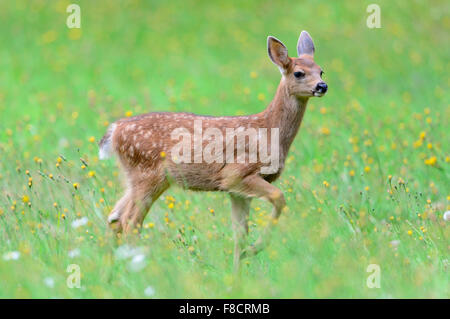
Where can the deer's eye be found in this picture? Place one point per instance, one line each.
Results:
(299, 74)
(321, 73)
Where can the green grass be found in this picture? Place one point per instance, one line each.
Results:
(386, 113)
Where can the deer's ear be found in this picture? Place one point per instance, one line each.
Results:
(278, 53)
(305, 44)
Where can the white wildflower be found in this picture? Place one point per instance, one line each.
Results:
(137, 263)
(12, 255)
(79, 222)
(447, 216)
(149, 291)
(136, 254)
(49, 282)
(126, 251)
(395, 243)
(74, 253)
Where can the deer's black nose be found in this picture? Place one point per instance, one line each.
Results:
(321, 87)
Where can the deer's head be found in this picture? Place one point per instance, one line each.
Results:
(302, 76)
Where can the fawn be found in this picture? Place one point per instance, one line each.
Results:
(142, 144)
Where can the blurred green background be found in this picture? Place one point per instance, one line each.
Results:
(367, 179)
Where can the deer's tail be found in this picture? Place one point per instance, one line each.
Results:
(105, 144)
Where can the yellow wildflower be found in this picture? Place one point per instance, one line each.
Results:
(431, 161)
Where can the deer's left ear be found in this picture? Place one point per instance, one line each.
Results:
(305, 44)
(278, 53)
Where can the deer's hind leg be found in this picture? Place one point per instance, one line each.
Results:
(143, 193)
(119, 208)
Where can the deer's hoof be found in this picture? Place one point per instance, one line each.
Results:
(251, 250)
(113, 217)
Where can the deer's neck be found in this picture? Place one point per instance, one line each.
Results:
(286, 113)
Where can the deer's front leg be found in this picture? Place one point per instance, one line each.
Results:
(256, 186)
(240, 207)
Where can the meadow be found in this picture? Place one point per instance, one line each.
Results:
(366, 180)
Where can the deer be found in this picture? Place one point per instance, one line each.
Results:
(142, 144)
